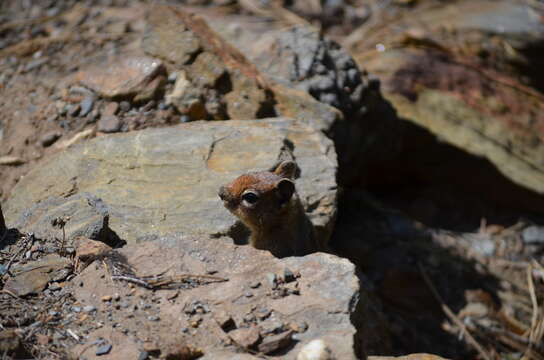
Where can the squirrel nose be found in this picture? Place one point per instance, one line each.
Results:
(222, 193)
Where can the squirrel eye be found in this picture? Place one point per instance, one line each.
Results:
(250, 197)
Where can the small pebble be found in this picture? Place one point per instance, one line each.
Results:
(49, 138)
(124, 106)
(125, 305)
(315, 350)
(86, 105)
(89, 309)
(255, 284)
(103, 350)
(299, 326)
(533, 235)
(76, 309)
(172, 77)
(80, 90)
(52, 118)
(111, 108)
(106, 298)
(153, 318)
(288, 275)
(248, 294)
(73, 110)
(150, 346)
(144, 355)
(271, 279)
(109, 124)
(63, 110)
(150, 105)
(91, 118)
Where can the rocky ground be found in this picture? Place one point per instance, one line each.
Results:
(418, 131)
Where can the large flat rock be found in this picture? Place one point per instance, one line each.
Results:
(157, 182)
(319, 302)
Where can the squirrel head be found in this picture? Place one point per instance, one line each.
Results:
(258, 199)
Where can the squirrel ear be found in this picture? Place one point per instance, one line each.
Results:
(286, 169)
(286, 188)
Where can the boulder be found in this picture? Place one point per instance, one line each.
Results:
(468, 72)
(319, 300)
(67, 217)
(294, 73)
(215, 81)
(158, 182)
(300, 61)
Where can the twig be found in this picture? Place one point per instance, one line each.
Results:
(452, 316)
(80, 135)
(9, 293)
(22, 250)
(72, 334)
(534, 302)
(535, 326)
(132, 280)
(158, 282)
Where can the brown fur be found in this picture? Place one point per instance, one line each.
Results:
(267, 203)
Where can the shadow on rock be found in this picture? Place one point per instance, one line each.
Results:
(396, 255)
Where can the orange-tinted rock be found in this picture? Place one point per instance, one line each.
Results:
(133, 77)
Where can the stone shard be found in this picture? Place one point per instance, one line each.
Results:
(34, 277)
(246, 337)
(134, 77)
(88, 250)
(274, 343)
(84, 215)
(158, 182)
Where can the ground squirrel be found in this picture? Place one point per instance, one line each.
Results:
(268, 204)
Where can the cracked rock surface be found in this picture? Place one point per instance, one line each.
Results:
(163, 181)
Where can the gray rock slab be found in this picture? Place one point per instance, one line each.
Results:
(32, 278)
(157, 182)
(84, 215)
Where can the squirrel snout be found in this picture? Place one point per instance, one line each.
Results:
(222, 193)
(226, 197)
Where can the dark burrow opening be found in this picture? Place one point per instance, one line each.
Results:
(444, 187)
